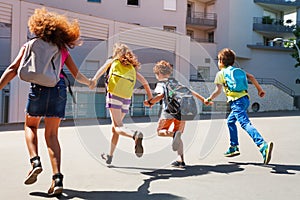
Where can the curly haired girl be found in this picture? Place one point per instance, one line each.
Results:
(47, 102)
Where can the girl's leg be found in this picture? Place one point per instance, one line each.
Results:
(31, 127)
(51, 137)
(54, 151)
(117, 117)
(114, 141)
(118, 129)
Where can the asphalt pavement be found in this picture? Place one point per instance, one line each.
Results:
(208, 174)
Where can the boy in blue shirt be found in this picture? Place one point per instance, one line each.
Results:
(239, 102)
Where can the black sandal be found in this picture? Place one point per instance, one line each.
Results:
(57, 185)
(36, 170)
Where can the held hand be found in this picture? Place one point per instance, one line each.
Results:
(261, 93)
(146, 103)
(92, 84)
(208, 102)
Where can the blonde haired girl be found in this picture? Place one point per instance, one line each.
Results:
(123, 73)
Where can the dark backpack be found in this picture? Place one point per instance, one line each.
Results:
(236, 79)
(179, 100)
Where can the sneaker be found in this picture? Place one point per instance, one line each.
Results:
(107, 157)
(232, 151)
(178, 164)
(138, 148)
(176, 140)
(36, 170)
(266, 151)
(57, 185)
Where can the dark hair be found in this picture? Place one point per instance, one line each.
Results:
(226, 57)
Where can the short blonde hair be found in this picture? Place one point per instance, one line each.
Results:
(163, 67)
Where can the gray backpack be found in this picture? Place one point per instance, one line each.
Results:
(41, 63)
(180, 102)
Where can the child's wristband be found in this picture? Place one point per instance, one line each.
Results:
(209, 100)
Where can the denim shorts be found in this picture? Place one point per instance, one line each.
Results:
(47, 101)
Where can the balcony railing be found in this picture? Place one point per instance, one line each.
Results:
(202, 40)
(272, 25)
(202, 19)
(280, 2)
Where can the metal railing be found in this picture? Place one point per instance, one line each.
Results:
(202, 40)
(202, 19)
(280, 2)
(277, 84)
(272, 25)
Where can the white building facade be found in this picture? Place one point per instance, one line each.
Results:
(186, 33)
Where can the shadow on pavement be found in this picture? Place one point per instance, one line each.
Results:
(143, 191)
(276, 168)
(109, 195)
(188, 171)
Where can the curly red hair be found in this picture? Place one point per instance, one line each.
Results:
(54, 28)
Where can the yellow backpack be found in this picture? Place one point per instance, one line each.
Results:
(121, 79)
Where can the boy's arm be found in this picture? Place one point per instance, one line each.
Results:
(145, 83)
(198, 96)
(253, 80)
(214, 94)
(154, 100)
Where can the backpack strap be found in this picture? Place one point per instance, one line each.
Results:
(67, 80)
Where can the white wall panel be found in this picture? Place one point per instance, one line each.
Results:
(5, 13)
(147, 37)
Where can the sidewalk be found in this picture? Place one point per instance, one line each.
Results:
(208, 175)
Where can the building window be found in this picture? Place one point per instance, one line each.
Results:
(211, 37)
(133, 2)
(170, 28)
(203, 73)
(170, 5)
(97, 1)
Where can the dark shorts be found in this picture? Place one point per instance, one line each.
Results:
(47, 101)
